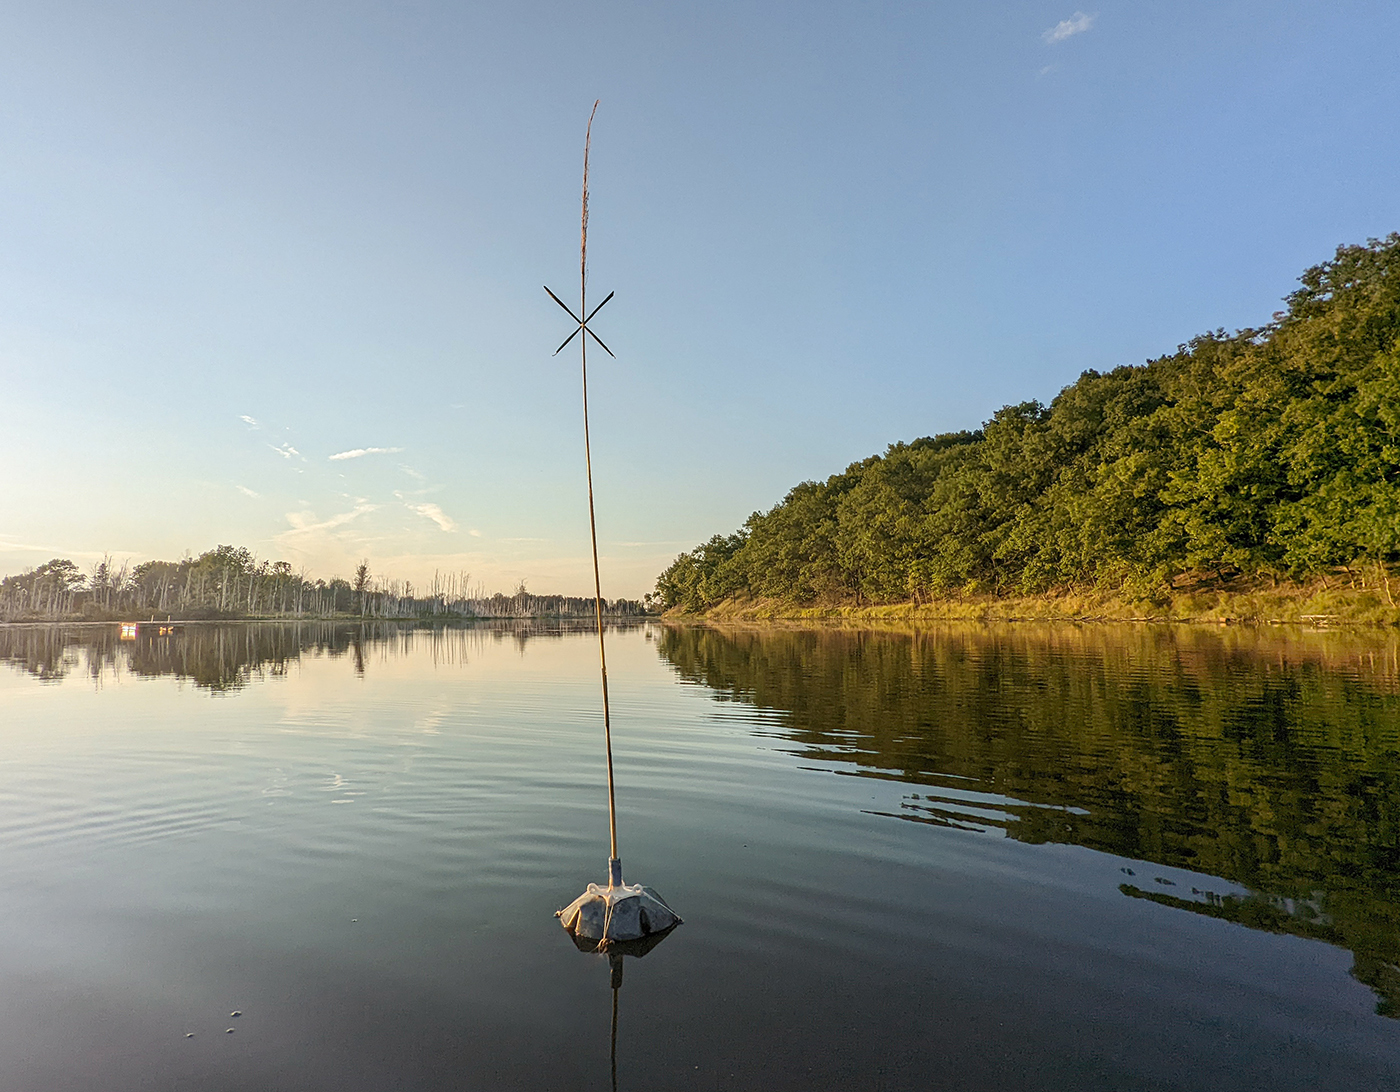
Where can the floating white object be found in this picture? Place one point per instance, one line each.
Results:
(610, 915)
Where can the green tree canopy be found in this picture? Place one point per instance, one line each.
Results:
(1271, 451)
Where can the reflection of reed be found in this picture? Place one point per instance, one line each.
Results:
(224, 656)
(1269, 759)
(617, 953)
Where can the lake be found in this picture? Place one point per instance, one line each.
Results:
(968, 858)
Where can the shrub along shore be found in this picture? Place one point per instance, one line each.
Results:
(1252, 476)
(1320, 605)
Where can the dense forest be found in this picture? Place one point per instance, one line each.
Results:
(230, 582)
(1269, 454)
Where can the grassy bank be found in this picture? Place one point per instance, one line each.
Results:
(1319, 604)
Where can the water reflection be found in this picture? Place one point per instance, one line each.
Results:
(222, 656)
(368, 870)
(1269, 760)
(617, 953)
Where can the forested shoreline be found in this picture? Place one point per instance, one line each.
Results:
(1265, 457)
(229, 582)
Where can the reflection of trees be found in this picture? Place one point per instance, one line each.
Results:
(1374, 949)
(213, 657)
(227, 656)
(48, 652)
(1270, 761)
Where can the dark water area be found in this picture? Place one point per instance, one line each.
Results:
(970, 858)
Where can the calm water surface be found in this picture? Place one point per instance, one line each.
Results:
(974, 858)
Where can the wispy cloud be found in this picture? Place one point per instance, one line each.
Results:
(357, 452)
(248, 421)
(329, 543)
(1077, 23)
(246, 491)
(403, 495)
(305, 523)
(8, 542)
(474, 533)
(655, 542)
(287, 451)
(436, 514)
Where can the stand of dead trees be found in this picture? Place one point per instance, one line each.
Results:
(230, 582)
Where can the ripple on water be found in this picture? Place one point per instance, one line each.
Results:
(1075, 858)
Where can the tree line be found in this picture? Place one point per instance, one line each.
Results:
(231, 582)
(1271, 453)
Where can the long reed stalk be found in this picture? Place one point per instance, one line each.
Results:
(614, 869)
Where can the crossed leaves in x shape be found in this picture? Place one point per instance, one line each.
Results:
(582, 323)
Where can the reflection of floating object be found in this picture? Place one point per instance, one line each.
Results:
(616, 951)
(132, 630)
(619, 948)
(604, 916)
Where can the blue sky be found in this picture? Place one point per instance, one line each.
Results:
(239, 240)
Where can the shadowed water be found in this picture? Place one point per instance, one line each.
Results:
(974, 858)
